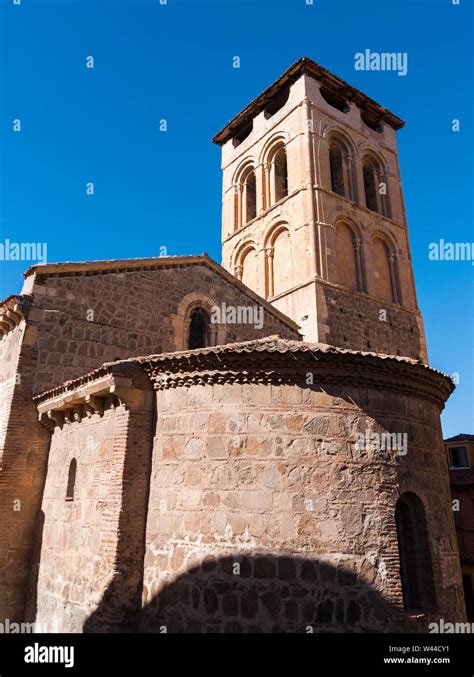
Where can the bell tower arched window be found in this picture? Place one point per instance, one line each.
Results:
(337, 169)
(341, 167)
(275, 178)
(245, 208)
(375, 186)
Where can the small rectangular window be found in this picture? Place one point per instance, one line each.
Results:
(458, 457)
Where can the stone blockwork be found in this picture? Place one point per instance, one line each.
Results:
(261, 513)
(362, 323)
(103, 311)
(70, 319)
(254, 468)
(323, 230)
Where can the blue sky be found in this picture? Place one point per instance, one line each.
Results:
(174, 62)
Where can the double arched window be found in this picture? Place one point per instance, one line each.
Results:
(271, 184)
(414, 552)
(343, 175)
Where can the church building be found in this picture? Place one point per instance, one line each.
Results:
(247, 447)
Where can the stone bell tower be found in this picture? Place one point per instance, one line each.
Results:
(313, 217)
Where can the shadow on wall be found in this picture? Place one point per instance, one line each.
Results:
(32, 591)
(261, 594)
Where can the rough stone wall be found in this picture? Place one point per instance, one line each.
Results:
(360, 322)
(266, 477)
(87, 573)
(132, 315)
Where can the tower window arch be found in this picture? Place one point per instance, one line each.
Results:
(71, 480)
(349, 265)
(414, 552)
(278, 261)
(275, 174)
(375, 186)
(245, 205)
(385, 270)
(337, 169)
(199, 326)
(341, 166)
(250, 197)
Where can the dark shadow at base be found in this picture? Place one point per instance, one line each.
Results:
(267, 594)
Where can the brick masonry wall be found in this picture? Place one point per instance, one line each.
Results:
(9, 355)
(23, 456)
(266, 477)
(87, 573)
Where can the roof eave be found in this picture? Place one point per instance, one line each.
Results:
(307, 66)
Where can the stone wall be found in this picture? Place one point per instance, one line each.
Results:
(360, 322)
(263, 516)
(252, 509)
(88, 563)
(73, 322)
(84, 320)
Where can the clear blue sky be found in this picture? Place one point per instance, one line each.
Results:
(174, 61)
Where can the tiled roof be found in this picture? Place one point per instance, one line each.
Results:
(271, 344)
(462, 437)
(275, 344)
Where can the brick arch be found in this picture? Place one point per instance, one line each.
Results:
(180, 321)
(248, 162)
